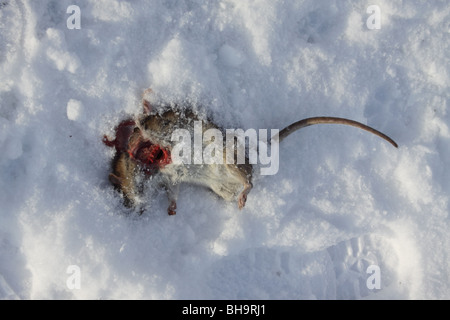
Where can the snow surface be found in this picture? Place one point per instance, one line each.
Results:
(343, 200)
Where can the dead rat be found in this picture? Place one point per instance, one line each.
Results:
(230, 181)
(134, 155)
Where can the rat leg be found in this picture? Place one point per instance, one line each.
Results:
(243, 173)
(123, 179)
(172, 195)
(242, 198)
(145, 103)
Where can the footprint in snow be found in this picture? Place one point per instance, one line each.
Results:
(358, 268)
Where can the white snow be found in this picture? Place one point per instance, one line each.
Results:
(230, 56)
(342, 200)
(75, 110)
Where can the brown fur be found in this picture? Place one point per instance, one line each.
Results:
(123, 175)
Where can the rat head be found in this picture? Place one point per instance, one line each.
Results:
(158, 128)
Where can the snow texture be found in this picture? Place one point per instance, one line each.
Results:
(342, 201)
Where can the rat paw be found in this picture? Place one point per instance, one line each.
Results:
(242, 200)
(172, 208)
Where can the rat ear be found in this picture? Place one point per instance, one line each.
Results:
(146, 106)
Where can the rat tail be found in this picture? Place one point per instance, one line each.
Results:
(331, 120)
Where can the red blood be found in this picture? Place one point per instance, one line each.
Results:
(149, 156)
(123, 133)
